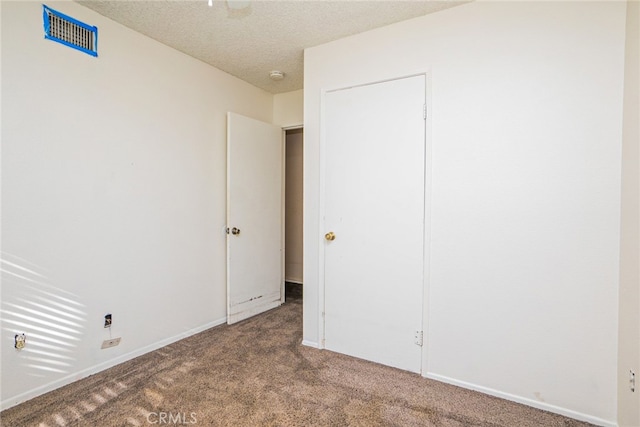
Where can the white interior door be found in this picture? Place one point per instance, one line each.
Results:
(255, 265)
(374, 205)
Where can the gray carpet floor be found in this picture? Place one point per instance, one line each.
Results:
(256, 373)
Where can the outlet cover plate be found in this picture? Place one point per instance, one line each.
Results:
(20, 341)
(110, 343)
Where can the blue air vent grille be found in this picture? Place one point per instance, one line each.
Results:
(70, 32)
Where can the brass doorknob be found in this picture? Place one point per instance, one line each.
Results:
(235, 231)
(330, 236)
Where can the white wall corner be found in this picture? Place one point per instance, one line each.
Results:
(629, 295)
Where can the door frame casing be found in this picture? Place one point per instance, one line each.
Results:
(284, 196)
(427, 207)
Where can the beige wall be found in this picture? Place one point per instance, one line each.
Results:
(629, 317)
(293, 213)
(288, 109)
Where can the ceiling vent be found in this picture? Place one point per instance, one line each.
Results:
(70, 32)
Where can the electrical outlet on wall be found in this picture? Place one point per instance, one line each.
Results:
(20, 341)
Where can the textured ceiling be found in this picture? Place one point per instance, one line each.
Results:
(266, 35)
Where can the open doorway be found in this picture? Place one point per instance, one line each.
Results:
(293, 213)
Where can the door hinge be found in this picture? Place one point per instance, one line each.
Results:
(424, 111)
(419, 338)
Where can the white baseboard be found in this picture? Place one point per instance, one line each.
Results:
(23, 397)
(310, 344)
(519, 399)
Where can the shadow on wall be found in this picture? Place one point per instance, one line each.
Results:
(54, 323)
(52, 319)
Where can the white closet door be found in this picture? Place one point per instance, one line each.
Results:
(374, 206)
